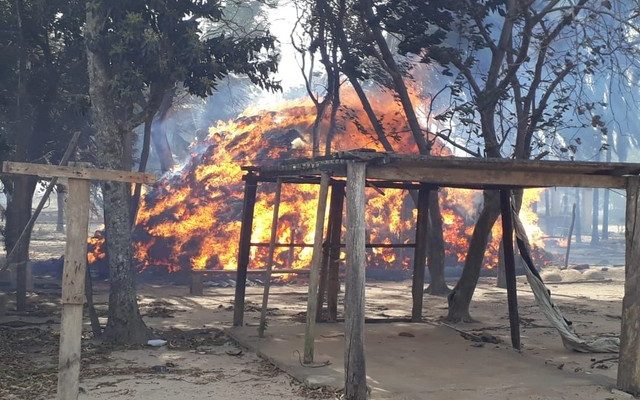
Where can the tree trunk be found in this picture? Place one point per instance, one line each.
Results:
(460, 296)
(605, 215)
(60, 201)
(595, 233)
(159, 132)
(17, 216)
(435, 248)
(124, 324)
(501, 281)
(605, 200)
(578, 227)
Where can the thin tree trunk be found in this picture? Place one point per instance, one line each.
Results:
(573, 220)
(396, 75)
(17, 216)
(159, 132)
(578, 227)
(435, 248)
(460, 296)
(90, 307)
(605, 214)
(595, 233)
(124, 324)
(142, 167)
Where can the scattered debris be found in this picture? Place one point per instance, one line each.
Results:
(156, 342)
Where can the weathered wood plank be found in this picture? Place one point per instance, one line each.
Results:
(73, 293)
(244, 248)
(629, 361)
(510, 266)
(76, 172)
(272, 248)
(354, 359)
(420, 254)
(495, 177)
(314, 276)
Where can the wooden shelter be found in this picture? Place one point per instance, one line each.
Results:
(352, 171)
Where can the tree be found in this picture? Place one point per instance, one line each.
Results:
(41, 67)
(350, 28)
(133, 46)
(515, 69)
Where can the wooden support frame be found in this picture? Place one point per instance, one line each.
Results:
(629, 359)
(510, 266)
(244, 249)
(272, 248)
(314, 275)
(75, 260)
(409, 172)
(420, 253)
(354, 359)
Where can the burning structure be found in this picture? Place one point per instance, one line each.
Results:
(191, 218)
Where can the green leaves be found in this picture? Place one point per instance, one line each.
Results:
(149, 41)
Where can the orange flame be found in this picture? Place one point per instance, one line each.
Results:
(191, 218)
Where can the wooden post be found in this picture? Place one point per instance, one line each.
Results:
(420, 253)
(316, 259)
(248, 206)
(629, 359)
(196, 288)
(75, 259)
(510, 266)
(333, 284)
(73, 293)
(326, 252)
(354, 361)
(272, 248)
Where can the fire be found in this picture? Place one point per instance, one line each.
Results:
(191, 218)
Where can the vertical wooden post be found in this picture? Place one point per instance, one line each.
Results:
(73, 293)
(248, 206)
(510, 266)
(326, 253)
(272, 249)
(354, 360)
(420, 253)
(629, 361)
(314, 275)
(196, 288)
(333, 284)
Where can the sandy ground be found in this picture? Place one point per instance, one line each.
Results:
(200, 360)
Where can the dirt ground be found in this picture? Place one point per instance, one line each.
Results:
(200, 359)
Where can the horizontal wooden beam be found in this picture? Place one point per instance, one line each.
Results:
(367, 245)
(505, 177)
(76, 172)
(250, 271)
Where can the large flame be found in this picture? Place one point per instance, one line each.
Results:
(191, 218)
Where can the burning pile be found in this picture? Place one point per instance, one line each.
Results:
(191, 218)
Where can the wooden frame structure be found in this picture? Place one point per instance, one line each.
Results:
(75, 257)
(355, 170)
